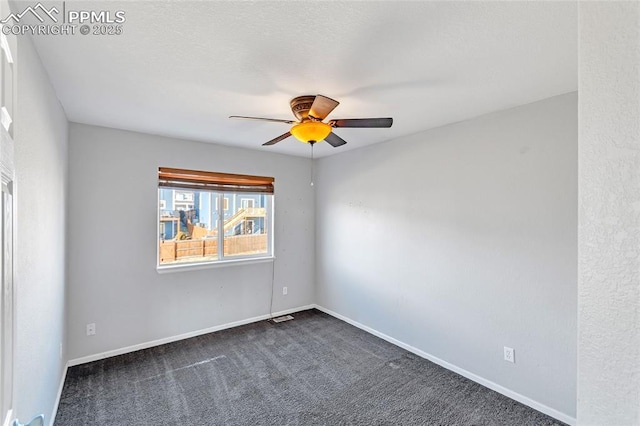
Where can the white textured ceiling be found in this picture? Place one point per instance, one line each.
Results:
(181, 68)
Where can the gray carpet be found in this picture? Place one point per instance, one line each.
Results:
(314, 370)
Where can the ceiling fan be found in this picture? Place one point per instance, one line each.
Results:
(310, 127)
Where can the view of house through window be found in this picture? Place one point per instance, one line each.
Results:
(212, 220)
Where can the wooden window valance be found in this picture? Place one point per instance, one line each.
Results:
(213, 181)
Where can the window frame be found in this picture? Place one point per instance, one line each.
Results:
(222, 200)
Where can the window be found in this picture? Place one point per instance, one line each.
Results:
(211, 220)
(247, 203)
(183, 200)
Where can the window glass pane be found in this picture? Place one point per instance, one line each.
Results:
(190, 221)
(245, 225)
(187, 227)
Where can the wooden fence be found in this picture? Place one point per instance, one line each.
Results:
(207, 248)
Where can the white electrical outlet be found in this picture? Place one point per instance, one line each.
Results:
(509, 354)
(284, 291)
(91, 329)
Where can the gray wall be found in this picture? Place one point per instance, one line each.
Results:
(609, 232)
(41, 196)
(461, 240)
(113, 280)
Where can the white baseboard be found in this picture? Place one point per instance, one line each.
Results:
(57, 402)
(471, 376)
(146, 345)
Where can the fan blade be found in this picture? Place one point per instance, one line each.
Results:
(334, 140)
(278, 139)
(362, 122)
(264, 119)
(321, 107)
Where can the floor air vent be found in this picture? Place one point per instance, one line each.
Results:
(282, 319)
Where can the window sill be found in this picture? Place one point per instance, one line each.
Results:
(218, 264)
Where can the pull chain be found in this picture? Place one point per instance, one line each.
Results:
(312, 164)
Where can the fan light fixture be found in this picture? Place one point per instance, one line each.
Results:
(310, 127)
(311, 131)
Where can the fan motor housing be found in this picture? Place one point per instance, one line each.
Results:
(300, 107)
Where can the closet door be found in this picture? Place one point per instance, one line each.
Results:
(8, 45)
(6, 307)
